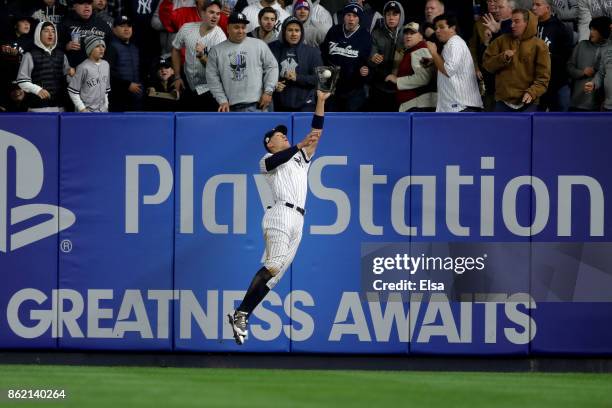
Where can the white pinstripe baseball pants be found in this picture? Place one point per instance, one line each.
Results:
(282, 228)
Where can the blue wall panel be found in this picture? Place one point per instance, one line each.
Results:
(216, 259)
(28, 254)
(482, 150)
(116, 175)
(573, 278)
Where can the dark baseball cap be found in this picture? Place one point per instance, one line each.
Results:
(164, 63)
(392, 5)
(278, 128)
(121, 20)
(82, 1)
(237, 18)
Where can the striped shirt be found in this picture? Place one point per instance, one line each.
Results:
(90, 84)
(189, 37)
(459, 89)
(289, 181)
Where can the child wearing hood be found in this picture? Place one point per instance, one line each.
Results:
(90, 86)
(43, 70)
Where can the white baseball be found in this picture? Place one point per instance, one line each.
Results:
(326, 73)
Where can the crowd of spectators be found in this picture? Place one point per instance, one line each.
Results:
(261, 55)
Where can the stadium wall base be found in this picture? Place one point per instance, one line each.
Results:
(590, 364)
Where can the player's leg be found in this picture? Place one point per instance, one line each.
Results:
(277, 245)
(292, 247)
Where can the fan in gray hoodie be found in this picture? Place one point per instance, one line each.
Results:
(386, 38)
(314, 29)
(584, 63)
(603, 76)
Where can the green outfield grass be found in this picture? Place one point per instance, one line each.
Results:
(118, 387)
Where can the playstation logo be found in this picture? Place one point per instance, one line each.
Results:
(28, 184)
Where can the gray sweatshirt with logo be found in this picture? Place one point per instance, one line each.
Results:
(240, 73)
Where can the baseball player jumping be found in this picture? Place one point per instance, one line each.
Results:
(286, 170)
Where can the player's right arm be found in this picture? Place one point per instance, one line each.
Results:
(317, 124)
(270, 162)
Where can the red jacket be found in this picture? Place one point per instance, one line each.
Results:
(405, 69)
(173, 19)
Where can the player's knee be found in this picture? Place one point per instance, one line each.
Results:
(273, 267)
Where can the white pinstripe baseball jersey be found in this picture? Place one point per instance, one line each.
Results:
(289, 181)
(459, 89)
(189, 37)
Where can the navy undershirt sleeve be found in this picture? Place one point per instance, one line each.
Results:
(279, 158)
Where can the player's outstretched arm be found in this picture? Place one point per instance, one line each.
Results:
(317, 123)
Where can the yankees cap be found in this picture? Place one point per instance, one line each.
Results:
(121, 20)
(237, 18)
(271, 132)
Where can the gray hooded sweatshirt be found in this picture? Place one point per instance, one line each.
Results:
(586, 54)
(603, 77)
(384, 42)
(315, 28)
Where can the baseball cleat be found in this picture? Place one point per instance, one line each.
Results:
(239, 323)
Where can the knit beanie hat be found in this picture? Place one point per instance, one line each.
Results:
(354, 8)
(92, 42)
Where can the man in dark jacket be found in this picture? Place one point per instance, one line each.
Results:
(122, 55)
(348, 46)
(77, 26)
(560, 43)
(386, 38)
(295, 91)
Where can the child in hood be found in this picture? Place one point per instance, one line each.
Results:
(43, 70)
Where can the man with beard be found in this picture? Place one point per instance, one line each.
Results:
(267, 24)
(252, 12)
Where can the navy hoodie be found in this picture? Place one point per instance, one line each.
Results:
(72, 23)
(560, 44)
(350, 53)
(303, 59)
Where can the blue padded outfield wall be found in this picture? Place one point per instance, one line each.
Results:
(142, 231)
